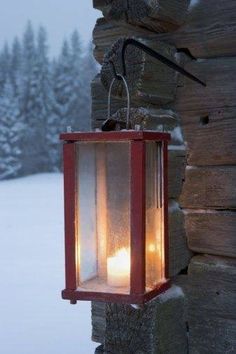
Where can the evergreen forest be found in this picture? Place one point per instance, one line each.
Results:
(40, 97)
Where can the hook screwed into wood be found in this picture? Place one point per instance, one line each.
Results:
(154, 54)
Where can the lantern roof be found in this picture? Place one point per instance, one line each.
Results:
(123, 135)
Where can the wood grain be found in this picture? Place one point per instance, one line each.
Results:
(210, 30)
(211, 305)
(179, 253)
(220, 91)
(141, 331)
(98, 321)
(155, 15)
(176, 170)
(209, 187)
(148, 79)
(211, 232)
(106, 33)
(210, 136)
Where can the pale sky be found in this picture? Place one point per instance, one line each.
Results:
(59, 17)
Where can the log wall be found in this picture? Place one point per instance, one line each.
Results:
(202, 163)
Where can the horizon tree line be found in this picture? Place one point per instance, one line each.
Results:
(39, 98)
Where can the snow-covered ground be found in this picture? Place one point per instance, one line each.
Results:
(33, 318)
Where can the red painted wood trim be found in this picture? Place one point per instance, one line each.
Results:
(166, 231)
(114, 136)
(74, 295)
(69, 153)
(138, 294)
(138, 220)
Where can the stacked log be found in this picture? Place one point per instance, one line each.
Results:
(148, 80)
(203, 35)
(155, 15)
(211, 315)
(203, 196)
(131, 330)
(152, 85)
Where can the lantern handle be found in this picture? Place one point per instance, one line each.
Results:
(120, 77)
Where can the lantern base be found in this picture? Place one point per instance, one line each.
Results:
(74, 295)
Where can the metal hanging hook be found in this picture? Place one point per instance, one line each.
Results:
(158, 56)
(120, 77)
(154, 54)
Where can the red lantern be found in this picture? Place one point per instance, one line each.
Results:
(116, 209)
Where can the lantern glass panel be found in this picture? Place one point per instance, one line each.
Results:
(103, 217)
(154, 216)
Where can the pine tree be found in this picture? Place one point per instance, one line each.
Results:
(77, 89)
(89, 71)
(4, 66)
(16, 66)
(50, 120)
(63, 86)
(35, 101)
(27, 102)
(41, 98)
(44, 98)
(11, 132)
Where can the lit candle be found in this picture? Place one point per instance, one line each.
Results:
(118, 268)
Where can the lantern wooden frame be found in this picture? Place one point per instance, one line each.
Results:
(138, 294)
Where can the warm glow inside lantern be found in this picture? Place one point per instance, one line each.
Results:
(116, 236)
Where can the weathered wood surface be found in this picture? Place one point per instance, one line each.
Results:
(212, 305)
(100, 102)
(209, 187)
(148, 79)
(176, 170)
(179, 253)
(98, 321)
(210, 136)
(209, 32)
(212, 232)
(99, 350)
(130, 330)
(158, 119)
(220, 91)
(210, 29)
(105, 34)
(155, 15)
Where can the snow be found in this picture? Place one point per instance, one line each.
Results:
(172, 293)
(176, 134)
(33, 317)
(177, 147)
(193, 3)
(173, 206)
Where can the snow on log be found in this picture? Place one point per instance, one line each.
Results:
(148, 79)
(155, 15)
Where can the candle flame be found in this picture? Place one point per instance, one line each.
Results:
(151, 248)
(123, 257)
(118, 268)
